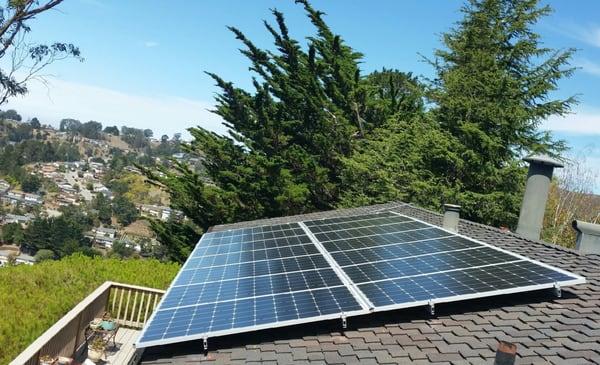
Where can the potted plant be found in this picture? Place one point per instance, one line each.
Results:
(96, 349)
(96, 323)
(47, 360)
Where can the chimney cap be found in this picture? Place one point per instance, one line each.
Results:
(586, 227)
(451, 208)
(543, 160)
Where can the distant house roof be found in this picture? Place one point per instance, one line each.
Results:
(544, 328)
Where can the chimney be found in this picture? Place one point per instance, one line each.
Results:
(588, 237)
(536, 194)
(451, 216)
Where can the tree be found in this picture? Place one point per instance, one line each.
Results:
(102, 204)
(35, 123)
(164, 138)
(91, 129)
(31, 183)
(114, 130)
(10, 113)
(27, 60)
(43, 255)
(69, 125)
(121, 249)
(493, 88)
(571, 197)
(148, 133)
(12, 233)
(125, 211)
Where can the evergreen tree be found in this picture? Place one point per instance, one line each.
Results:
(492, 91)
(287, 138)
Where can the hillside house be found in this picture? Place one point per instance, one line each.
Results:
(160, 212)
(20, 219)
(20, 258)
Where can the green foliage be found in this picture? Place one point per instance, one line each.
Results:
(125, 211)
(43, 255)
(10, 114)
(134, 137)
(120, 249)
(12, 233)
(35, 297)
(114, 130)
(492, 91)
(62, 235)
(407, 161)
(31, 183)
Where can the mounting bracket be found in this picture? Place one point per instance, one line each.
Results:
(557, 290)
(431, 308)
(344, 321)
(205, 344)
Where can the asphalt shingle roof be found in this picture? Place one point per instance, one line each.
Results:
(545, 329)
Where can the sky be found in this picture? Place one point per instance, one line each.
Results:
(145, 60)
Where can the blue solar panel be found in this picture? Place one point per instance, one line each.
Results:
(397, 261)
(243, 279)
(262, 277)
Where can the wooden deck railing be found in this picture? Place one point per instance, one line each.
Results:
(130, 305)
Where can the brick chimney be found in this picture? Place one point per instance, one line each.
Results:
(588, 237)
(536, 194)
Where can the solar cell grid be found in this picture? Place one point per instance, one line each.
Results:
(246, 269)
(378, 221)
(252, 312)
(196, 262)
(369, 231)
(460, 283)
(241, 246)
(239, 288)
(427, 263)
(391, 238)
(352, 218)
(400, 250)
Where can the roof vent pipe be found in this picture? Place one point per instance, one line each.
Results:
(536, 195)
(451, 217)
(588, 237)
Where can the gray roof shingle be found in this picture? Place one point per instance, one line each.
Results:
(545, 329)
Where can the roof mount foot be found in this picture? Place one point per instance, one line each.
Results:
(205, 345)
(431, 308)
(557, 291)
(344, 322)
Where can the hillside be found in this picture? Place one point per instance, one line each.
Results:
(35, 297)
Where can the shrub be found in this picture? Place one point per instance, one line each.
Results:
(33, 298)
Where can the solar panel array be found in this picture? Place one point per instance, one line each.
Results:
(252, 278)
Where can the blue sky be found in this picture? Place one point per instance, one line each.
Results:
(145, 60)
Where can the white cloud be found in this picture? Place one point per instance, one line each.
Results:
(588, 66)
(589, 34)
(163, 114)
(587, 122)
(150, 44)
